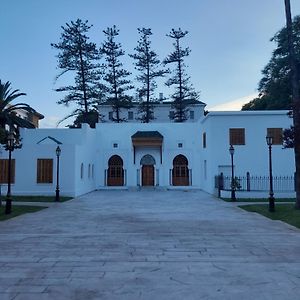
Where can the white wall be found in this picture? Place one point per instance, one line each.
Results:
(161, 113)
(253, 156)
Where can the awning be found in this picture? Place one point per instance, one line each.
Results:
(147, 139)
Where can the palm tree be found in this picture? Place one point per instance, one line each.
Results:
(8, 111)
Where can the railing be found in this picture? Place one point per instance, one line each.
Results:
(255, 183)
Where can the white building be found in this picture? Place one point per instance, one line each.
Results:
(161, 153)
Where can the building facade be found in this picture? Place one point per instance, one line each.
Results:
(160, 154)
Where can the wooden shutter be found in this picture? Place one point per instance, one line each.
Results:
(44, 170)
(237, 136)
(276, 133)
(4, 171)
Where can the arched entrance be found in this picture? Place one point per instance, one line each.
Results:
(180, 172)
(147, 163)
(115, 172)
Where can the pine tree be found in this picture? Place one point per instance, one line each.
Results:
(80, 57)
(184, 92)
(115, 75)
(146, 62)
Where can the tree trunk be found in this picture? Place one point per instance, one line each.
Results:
(295, 97)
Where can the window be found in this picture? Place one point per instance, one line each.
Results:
(205, 169)
(89, 171)
(44, 170)
(81, 170)
(204, 139)
(110, 115)
(92, 170)
(130, 115)
(192, 114)
(4, 171)
(180, 145)
(276, 133)
(237, 136)
(171, 114)
(115, 145)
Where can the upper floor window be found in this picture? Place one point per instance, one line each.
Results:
(276, 134)
(130, 115)
(44, 170)
(115, 145)
(110, 115)
(180, 145)
(237, 136)
(4, 171)
(192, 114)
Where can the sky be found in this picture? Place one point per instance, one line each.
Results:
(229, 41)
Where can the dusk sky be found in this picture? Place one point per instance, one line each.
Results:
(229, 39)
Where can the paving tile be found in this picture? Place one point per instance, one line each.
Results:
(148, 245)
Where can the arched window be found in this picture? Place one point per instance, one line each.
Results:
(180, 172)
(115, 172)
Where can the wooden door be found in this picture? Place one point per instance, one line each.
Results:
(148, 176)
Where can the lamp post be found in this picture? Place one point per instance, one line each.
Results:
(11, 145)
(269, 140)
(58, 151)
(231, 151)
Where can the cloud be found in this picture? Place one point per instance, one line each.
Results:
(233, 105)
(49, 122)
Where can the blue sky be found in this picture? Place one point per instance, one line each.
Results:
(229, 39)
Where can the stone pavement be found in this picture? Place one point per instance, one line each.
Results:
(148, 245)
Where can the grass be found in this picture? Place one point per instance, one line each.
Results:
(260, 200)
(18, 210)
(36, 198)
(284, 212)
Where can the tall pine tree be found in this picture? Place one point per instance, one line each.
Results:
(184, 92)
(80, 57)
(147, 63)
(115, 75)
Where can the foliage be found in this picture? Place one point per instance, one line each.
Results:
(275, 87)
(283, 212)
(8, 111)
(235, 184)
(115, 75)
(90, 118)
(184, 92)
(79, 57)
(146, 62)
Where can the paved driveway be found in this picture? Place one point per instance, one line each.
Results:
(148, 245)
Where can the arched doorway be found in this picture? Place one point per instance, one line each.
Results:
(180, 172)
(115, 172)
(147, 163)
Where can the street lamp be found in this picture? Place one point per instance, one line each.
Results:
(269, 140)
(58, 151)
(231, 151)
(11, 145)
